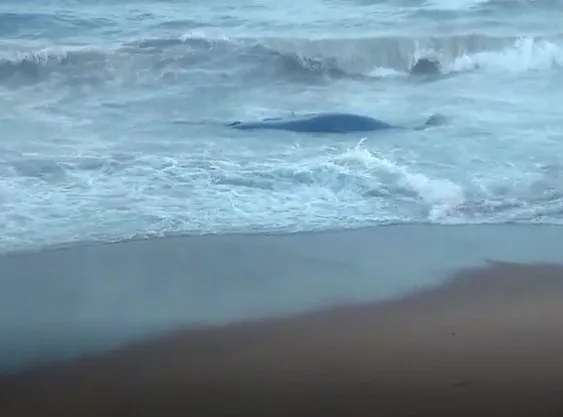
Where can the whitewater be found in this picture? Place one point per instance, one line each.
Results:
(112, 113)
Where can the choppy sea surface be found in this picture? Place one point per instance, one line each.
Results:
(112, 112)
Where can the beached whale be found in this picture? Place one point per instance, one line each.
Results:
(324, 123)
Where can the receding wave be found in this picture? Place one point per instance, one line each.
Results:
(359, 176)
(335, 188)
(292, 60)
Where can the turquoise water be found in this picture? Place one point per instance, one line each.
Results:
(92, 93)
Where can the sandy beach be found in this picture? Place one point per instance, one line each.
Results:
(487, 342)
(447, 333)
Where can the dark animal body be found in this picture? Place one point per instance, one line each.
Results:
(322, 123)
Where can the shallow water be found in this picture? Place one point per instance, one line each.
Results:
(95, 96)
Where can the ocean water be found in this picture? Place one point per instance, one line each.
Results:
(111, 116)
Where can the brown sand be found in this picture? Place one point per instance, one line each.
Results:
(489, 342)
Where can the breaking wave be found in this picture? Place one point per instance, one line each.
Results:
(290, 60)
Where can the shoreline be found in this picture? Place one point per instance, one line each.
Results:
(487, 339)
(96, 243)
(91, 298)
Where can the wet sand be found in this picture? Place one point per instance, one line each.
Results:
(488, 341)
(57, 303)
